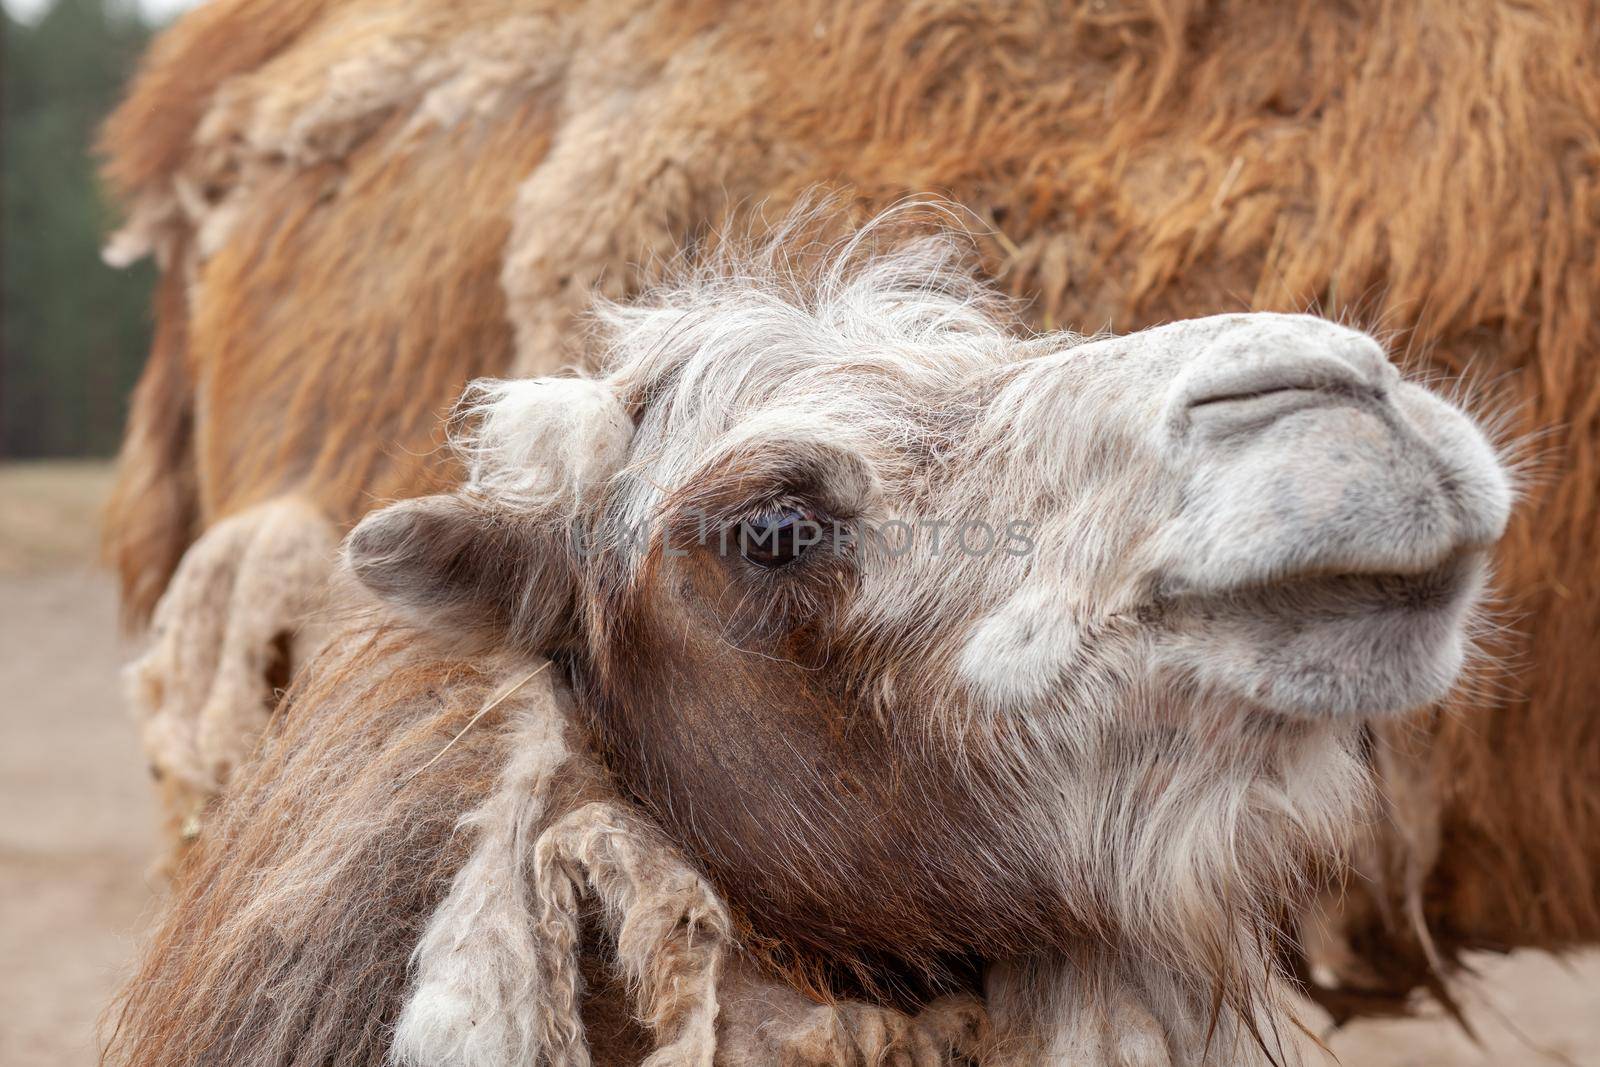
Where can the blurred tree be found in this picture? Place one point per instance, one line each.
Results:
(73, 332)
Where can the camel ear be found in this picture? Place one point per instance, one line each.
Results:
(456, 566)
(496, 559)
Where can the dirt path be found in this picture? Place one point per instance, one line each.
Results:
(76, 827)
(76, 820)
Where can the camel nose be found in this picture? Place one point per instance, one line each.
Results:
(1269, 367)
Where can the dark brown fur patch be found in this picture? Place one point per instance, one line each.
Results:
(860, 864)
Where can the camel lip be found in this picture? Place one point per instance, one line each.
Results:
(1429, 584)
(1335, 642)
(1444, 563)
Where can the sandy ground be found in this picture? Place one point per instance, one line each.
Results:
(77, 827)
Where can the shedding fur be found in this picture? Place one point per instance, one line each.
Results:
(496, 976)
(240, 615)
(296, 111)
(368, 893)
(400, 878)
(671, 929)
(762, 1021)
(475, 999)
(296, 911)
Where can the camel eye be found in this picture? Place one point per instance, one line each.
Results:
(779, 537)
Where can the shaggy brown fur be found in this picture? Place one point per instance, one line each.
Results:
(338, 913)
(1432, 167)
(293, 934)
(155, 504)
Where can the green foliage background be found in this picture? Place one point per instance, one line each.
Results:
(73, 332)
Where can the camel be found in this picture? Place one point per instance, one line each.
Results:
(1076, 757)
(361, 205)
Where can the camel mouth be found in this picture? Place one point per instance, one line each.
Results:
(1340, 589)
(1336, 642)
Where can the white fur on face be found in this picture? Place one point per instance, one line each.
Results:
(1018, 654)
(1256, 504)
(544, 442)
(1296, 527)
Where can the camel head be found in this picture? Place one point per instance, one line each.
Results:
(936, 640)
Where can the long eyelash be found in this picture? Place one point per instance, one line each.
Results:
(777, 504)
